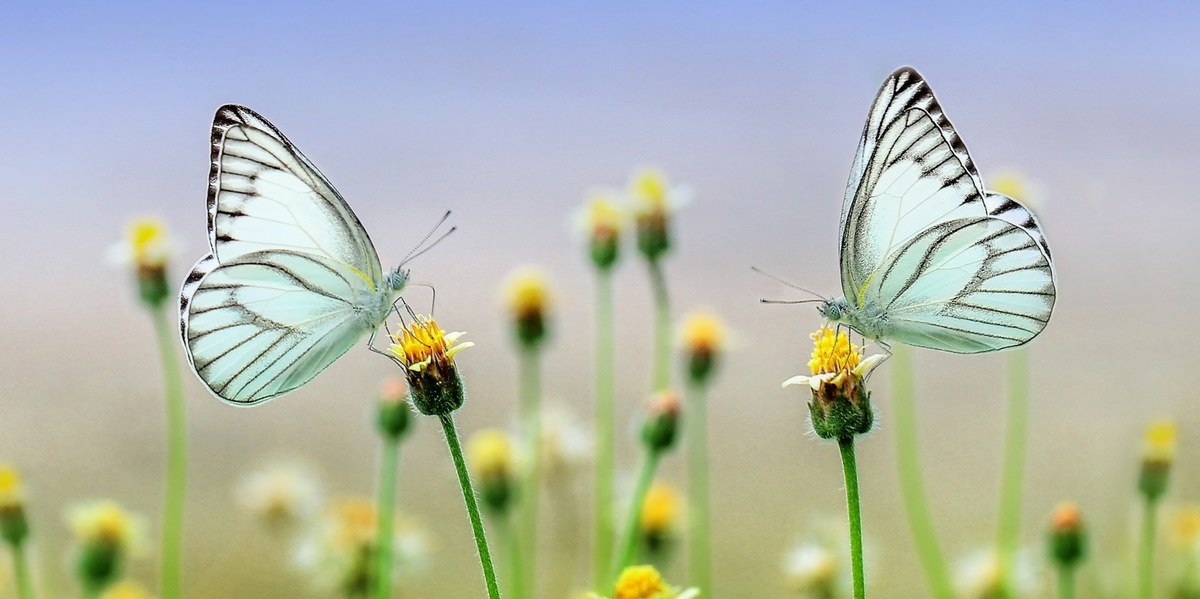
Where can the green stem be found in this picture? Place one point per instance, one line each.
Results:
(662, 328)
(629, 539)
(468, 492)
(1015, 442)
(516, 569)
(912, 488)
(854, 513)
(1146, 555)
(172, 535)
(1066, 582)
(21, 572)
(387, 512)
(531, 423)
(700, 550)
(605, 431)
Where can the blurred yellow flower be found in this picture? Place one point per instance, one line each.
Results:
(527, 292)
(339, 551)
(1017, 186)
(603, 217)
(1160, 442)
(660, 510)
(644, 582)
(1185, 526)
(281, 495)
(703, 332)
(12, 493)
(654, 201)
(812, 570)
(126, 589)
(104, 522)
(491, 454)
(147, 243)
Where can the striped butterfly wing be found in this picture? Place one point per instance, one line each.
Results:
(912, 172)
(267, 322)
(967, 285)
(279, 297)
(263, 194)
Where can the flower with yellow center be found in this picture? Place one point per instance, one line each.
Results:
(654, 200)
(602, 220)
(1158, 452)
(282, 495)
(840, 405)
(527, 296)
(812, 570)
(1016, 186)
(491, 453)
(107, 523)
(126, 589)
(660, 513)
(340, 552)
(11, 492)
(14, 525)
(1185, 526)
(146, 249)
(703, 341)
(427, 354)
(644, 582)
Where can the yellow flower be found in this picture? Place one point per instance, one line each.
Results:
(1160, 442)
(126, 589)
(703, 341)
(837, 381)
(354, 522)
(148, 242)
(12, 495)
(491, 454)
(1185, 526)
(104, 522)
(340, 550)
(644, 582)
(654, 201)
(527, 296)
(282, 495)
(1018, 187)
(602, 220)
(660, 510)
(427, 354)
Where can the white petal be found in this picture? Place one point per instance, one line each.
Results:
(800, 379)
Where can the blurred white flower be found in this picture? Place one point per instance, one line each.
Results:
(281, 495)
(818, 565)
(339, 551)
(566, 445)
(978, 576)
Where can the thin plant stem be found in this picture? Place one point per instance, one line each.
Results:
(531, 424)
(854, 514)
(700, 549)
(1015, 443)
(1066, 583)
(1146, 552)
(512, 543)
(912, 489)
(628, 546)
(605, 431)
(662, 328)
(172, 535)
(468, 492)
(21, 572)
(389, 459)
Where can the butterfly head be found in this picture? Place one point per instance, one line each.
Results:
(834, 310)
(397, 278)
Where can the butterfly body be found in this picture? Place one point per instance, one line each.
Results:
(292, 280)
(928, 256)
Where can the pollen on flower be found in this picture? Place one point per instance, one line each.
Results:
(425, 346)
(640, 582)
(833, 352)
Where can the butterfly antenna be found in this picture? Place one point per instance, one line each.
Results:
(421, 247)
(763, 300)
(779, 279)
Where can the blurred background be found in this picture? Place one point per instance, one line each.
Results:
(508, 114)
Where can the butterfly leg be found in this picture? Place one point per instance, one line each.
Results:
(371, 346)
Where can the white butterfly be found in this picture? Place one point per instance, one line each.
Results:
(929, 258)
(292, 280)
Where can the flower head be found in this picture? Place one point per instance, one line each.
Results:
(840, 404)
(427, 354)
(395, 415)
(527, 295)
(341, 550)
(1157, 455)
(1067, 538)
(107, 536)
(812, 570)
(703, 341)
(602, 221)
(660, 515)
(979, 577)
(147, 249)
(566, 444)
(1018, 187)
(661, 426)
(490, 453)
(654, 201)
(644, 582)
(14, 526)
(281, 496)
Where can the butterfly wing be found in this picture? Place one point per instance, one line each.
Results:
(943, 263)
(267, 322)
(968, 285)
(263, 194)
(291, 268)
